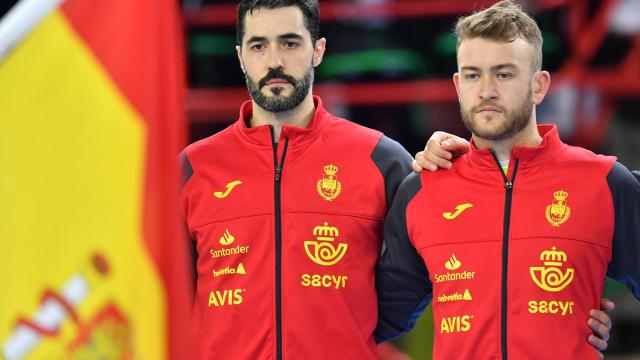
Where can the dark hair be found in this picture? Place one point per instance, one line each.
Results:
(309, 8)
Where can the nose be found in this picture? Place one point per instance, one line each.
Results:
(488, 89)
(275, 58)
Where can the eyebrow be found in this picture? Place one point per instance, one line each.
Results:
(493, 68)
(291, 36)
(255, 39)
(287, 36)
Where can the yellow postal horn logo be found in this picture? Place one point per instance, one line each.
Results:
(323, 251)
(550, 277)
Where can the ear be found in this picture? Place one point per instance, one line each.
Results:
(541, 83)
(318, 51)
(456, 83)
(239, 53)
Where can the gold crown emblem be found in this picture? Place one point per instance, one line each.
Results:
(561, 195)
(558, 212)
(553, 257)
(326, 232)
(329, 187)
(330, 169)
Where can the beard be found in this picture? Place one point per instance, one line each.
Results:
(278, 103)
(515, 120)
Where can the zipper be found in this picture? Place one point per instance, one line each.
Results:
(508, 185)
(278, 222)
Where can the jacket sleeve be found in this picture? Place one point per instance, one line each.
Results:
(625, 258)
(394, 163)
(402, 281)
(187, 172)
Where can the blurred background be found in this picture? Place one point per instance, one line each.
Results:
(388, 66)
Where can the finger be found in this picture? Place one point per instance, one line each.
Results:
(414, 164)
(600, 329)
(607, 305)
(440, 136)
(598, 343)
(416, 167)
(435, 147)
(456, 145)
(437, 161)
(601, 317)
(421, 162)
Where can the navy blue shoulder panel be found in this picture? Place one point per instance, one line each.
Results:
(394, 163)
(187, 172)
(185, 166)
(402, 280)
(625, 259)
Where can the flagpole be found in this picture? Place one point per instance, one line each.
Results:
(19, 21)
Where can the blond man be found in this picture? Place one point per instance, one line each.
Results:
(523, 228)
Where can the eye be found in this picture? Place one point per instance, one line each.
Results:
(291, 44)
(505, 75)
(257, 47)
(471, 76)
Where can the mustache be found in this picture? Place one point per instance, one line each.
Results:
(276, 74)
(487, 103)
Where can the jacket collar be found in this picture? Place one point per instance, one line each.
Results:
(549, 148)
(261, 135)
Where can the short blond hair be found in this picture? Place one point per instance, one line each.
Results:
(504, 21)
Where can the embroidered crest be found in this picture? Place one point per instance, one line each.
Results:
(329, 187)
(558, 212)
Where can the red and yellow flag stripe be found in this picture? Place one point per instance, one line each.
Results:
(90, 124)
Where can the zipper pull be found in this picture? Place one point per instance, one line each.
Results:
(278, 171)
(508, 185)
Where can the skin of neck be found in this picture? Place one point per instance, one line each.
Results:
(300, 116)
(529, 136)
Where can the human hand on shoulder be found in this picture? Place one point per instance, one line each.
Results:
(440, 149)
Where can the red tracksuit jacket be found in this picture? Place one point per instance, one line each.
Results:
(512, 262)
(287, 236)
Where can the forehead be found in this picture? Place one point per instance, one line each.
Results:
(271, 23)
(485, 53)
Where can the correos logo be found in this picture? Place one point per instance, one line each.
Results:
(323, 251)
(550, 277)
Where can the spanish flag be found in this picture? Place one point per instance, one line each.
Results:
(91, 122)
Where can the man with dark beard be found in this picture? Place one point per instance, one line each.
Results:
(285, 207)
(522, 230)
